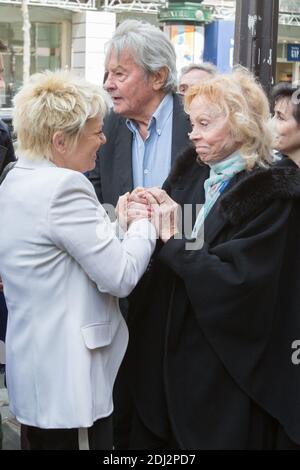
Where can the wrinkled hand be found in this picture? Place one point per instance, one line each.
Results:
(130, 207)
(137, 210)
(164, 212)
(138, 195)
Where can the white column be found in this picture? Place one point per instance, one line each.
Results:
(66, 32)
(199, 44)
(296, 72)
(90, 31)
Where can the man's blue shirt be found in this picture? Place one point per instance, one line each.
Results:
(151, 159)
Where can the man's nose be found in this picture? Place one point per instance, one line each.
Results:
(109, 83)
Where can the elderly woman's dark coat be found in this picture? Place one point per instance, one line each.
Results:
(215, 332)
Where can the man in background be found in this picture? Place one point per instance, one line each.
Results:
(194, 73)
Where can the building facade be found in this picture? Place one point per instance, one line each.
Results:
(63, 34)
(72, 34)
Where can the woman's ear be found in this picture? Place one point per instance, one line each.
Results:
(59, 142)
(159, 78)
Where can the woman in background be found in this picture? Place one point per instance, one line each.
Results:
(287, 121)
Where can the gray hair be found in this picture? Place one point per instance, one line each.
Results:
(207, 67)
(149, 46)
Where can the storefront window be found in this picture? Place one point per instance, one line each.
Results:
(284, 72)
(45, 54)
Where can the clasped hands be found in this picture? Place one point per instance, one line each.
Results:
(151, 203)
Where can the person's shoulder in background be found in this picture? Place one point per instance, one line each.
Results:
(4, 128)
(6, 142)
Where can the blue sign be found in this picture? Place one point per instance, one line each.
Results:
(293, 52)
(219, 44)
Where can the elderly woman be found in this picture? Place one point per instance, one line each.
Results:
(212, 358)
(287, 120)
(63, 268)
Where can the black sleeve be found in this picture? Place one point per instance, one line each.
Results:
(246, 263)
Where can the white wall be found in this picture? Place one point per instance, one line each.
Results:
(90, 31)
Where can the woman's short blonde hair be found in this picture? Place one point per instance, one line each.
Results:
(242, 99)
(51, 102)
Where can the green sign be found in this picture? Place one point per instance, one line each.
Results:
(185, 12)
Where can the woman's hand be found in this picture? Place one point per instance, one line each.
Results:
(137, 210)
(121, 211)
(132, 207)
(138, 195)
(164, 212)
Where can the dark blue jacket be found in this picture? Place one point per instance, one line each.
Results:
(7, 153)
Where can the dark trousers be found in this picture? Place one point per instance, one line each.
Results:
(142, 438)
(99, 437)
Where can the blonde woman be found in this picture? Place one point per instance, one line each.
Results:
(212, 359)
(63, 268)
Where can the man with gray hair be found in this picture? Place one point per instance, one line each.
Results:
(147, 128)
(146, 131)
(194, 73)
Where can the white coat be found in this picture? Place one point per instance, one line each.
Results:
(63, 270)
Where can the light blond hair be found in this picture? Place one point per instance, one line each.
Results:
(51, 102)
(243, 101)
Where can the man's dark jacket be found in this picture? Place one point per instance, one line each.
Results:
(7, 153)
(213, 331)
(112, 176)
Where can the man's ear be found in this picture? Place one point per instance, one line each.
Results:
(159, 78)
(59, 142)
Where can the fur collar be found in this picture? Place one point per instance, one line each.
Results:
(256, 189)
(248, 192)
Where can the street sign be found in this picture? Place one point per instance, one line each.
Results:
(293, 52)
(185, 12)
